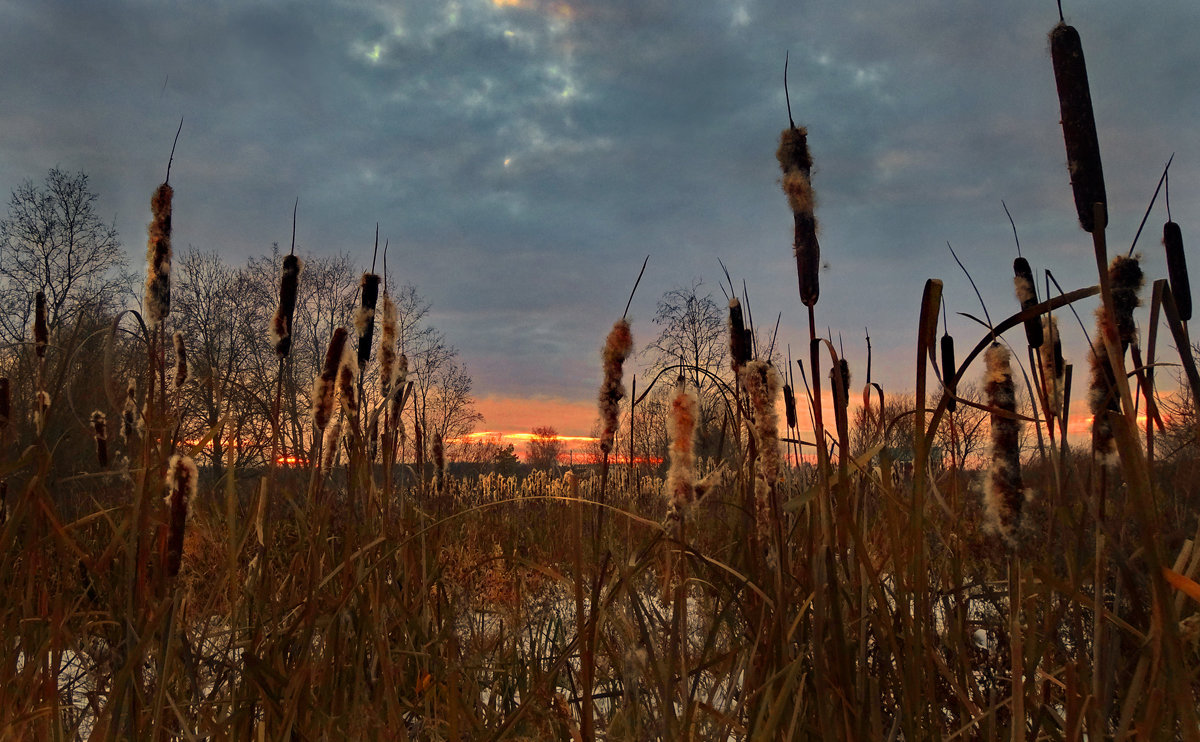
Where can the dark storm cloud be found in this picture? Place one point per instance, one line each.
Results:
(525, 155)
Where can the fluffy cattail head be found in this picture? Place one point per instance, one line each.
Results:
(761, 382)
(1004, 492)
(739, 349)
(364, 319)
(1027, 297)
(41, 407)
(1078, 123)
(346, 382)
(181, 364)
(329, 445)
(1177, 272)
(41, 329)
(129, 411)
(157, 299)
(100, 432)
(387, 347)
(1051, 365)
(796, 164)
(281, 323)
(617, 348)
(323, 386)
(681, 477)
(1102, 399)
(182, 480)
(1125, 278)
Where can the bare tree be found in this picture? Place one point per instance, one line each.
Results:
(544, 448)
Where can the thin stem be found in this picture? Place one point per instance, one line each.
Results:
(1153, 198)
(972, 280)
(172, 157)
(635, 285)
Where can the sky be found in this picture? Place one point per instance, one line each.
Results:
(524, 156)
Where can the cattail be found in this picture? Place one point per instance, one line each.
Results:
(329, 445)
(739, 349)
(1078, 123)
(323, 385)
(157, 301)
(949, 371)
(761, 382)
(1004, 492)
(40, 408)
(41, 331)
(100, 433)
(1027, 297)
(346, 378)
(1177, 272)
(1102, 399)
(789, 406)
(5, 402)
(796, 164)
(182, 480)
(281, 323)
(1052, 366)
(616, 349)
(387, 347)
(1125, 279)
(181, 366)
(841, 391)
(681, 477)
(364, 318)
(128, 411)
(439, 464)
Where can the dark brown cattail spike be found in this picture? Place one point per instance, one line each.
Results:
(1004, 492)
(617, 347)
(949, 371)
(281, 323)
(181, 365)
(323, 386)
(182, 480)
(1078, 122)
(1177, 272)
(739, 350)
(41, 331)
(841, 391)
(364, 319)
(1027, 295)
(789, 406)
(157, 299)
(100, 432)
(796, 164)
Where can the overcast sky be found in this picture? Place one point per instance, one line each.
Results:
(524, 156)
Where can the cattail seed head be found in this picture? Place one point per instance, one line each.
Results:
(157, 299)
(739, 349)
(1078, 123)
(439, 464)
(364, 319)
(129, 411)
(346, 381)
(681, 477)
(329, 445)
(617, 348)
(41, 407)
(1125, 278)
(41, 331)
(323, 385)
(839, 383)
(1177, 272)
(100, 432)
(1102, 399)
(387, 347)
(789, 406)
(1004, 492)
(182, 480)
(1027, 297)
(796, 164)
(281, 323)
(761, 382)
(181, 365)
(1052, 366)
(949, 371)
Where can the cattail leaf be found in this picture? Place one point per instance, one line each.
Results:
(1177, 270)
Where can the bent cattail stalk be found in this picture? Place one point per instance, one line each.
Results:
(796, 164)
(739, 348)
(181, 365)
(281, 322)
(1078, 123)
(617, 347)
(157, 300)
(1177, 272)
(41, 331)
(364, 318)
(323, 385)
(681, 477)
(182, 480)
(100, 432)
(1004, 492)
(1027, 297)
